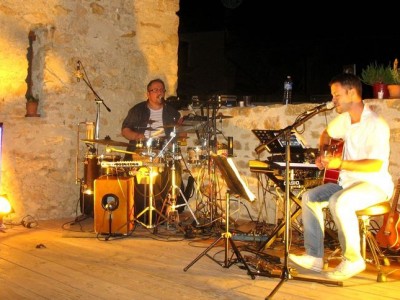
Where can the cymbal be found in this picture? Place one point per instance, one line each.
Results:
(146, 128)
(221, 116)
(175, 125)
(107, 142)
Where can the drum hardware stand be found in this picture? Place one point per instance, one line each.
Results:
(172, 213)
(151, 207)
(233, 184)
(286, 132)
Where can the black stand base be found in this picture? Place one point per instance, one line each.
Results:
(227, 262)
(287, 275)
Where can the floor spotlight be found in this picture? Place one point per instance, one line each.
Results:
(5, 206)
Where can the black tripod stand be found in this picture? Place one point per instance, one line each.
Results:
(286, 133)
(235, 185)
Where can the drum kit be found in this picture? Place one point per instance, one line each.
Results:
(153, 154)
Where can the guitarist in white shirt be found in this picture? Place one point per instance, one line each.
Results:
(364, 179)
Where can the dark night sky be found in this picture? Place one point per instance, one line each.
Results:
(261, 45)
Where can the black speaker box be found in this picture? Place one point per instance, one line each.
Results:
(113, 205)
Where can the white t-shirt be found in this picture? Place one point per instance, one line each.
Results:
(368, 139)
(156, 117)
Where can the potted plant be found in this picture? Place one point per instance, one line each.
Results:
(32, 104)
(378, 76)
(394, 83)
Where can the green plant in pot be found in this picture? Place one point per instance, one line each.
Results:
(32, 104)
(378, 76)
(394, 83)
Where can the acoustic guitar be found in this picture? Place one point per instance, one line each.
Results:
(388, 235)
(335, 149)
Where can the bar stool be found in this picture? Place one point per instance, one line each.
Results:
(367, 237)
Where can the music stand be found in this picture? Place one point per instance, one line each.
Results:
(236, 186)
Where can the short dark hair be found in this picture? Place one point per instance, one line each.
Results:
(155, 80)
(348, 81)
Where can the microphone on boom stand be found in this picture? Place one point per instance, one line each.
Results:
(323, 107)
(78, 73)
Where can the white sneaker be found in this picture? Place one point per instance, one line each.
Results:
(346, 269)
(308, 262)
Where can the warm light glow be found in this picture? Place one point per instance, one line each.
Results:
(13, 69)
(88, 191)
(5, 206)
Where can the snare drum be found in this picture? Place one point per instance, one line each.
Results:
(151, 143)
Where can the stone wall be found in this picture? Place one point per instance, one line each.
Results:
(122, 45)
(276, 117)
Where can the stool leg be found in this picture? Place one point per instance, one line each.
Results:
(376, 252)
(364, 221)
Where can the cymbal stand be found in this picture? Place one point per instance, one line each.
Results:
(213, 145)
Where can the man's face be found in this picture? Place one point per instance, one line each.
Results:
(342, 97)
(156, 93)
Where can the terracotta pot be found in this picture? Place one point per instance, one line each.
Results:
(380, 87)
(31, 109)
(394, 91)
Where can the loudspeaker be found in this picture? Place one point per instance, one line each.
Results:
(113, 205)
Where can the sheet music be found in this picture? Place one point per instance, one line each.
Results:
(250, 195)
(232, 177)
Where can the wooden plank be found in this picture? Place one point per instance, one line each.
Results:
(149, 266)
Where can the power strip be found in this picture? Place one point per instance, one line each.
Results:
(248, 237)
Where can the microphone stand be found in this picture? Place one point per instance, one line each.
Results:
(286, 133)
(98, 99)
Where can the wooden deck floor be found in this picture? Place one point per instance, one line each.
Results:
(60, 260)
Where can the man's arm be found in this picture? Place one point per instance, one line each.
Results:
(130, 135)
(329, 162)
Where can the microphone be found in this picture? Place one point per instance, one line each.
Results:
(325, 106)
(78, 73)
